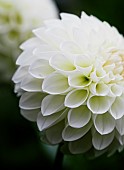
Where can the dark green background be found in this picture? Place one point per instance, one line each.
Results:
(20, 146)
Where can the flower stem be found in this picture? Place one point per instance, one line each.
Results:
(59, 159)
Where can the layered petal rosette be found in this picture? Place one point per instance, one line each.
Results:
(71, 82)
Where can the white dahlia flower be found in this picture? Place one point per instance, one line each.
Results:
(71, 82)
(17, 19)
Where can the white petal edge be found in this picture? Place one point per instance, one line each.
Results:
(72, 134)
(75, 98)
(40, 68)
(78, 80)
(79, 117)
(44, 122)
(99, 104)
(120, 125)
(31, 84)
(117, 108)
(51, 104)
(55, 84)
(81, 145)
(54, 133)
(30, 115)
(19, 74)
(100, 142)
(62, 63)
(30, 100)
(104, 123)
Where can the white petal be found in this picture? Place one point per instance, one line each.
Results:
(84, 61)
(99, 89)
(25, 58)
(99, 104)
(30, 100)
(52, 104)
(104, 123)
(78, 80)
(70, 47)
(40, 68)
(109, 67)
(108, 78)
(57, 35)
(85, 70)
(81, 145)
(59, 32)
(55, 84)
(31, 84)
(116, 90)
(121, 140)
(117, 108)
(44, 122)
(72, 134)
(44, 52)
(41, 34)
(96, 75)
(102, 141)
(62, 63)
(30, 115)
(19, 74)
(31, 43)
(75, 98)
(80, 36)
(113, 147)
(54, 39)
(54, 133)
(71, 17)
(120, 125)
(79, 117)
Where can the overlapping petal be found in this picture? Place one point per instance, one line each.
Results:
(71, 134)
(52, 104)
(100, 142)
(79, 117)
(104, 123)
(55, 83)
(82, 145)
(54, 133)
(120, 125)
(117, 108)
(78, 80)
(30, 100)
(43, 122)
(31, 84)
(99, 104)
(58, 62)
(30, 114)
(40, 68)
(76, 98)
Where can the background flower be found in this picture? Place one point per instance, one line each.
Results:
(17, 19)
(70, 79)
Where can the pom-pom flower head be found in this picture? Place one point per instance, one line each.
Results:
(71, 81)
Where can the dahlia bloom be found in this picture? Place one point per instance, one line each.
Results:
(17, 19)
(71, 82)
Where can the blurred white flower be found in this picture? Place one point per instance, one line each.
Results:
(17, 19)
(71, 81)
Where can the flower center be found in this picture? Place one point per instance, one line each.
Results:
(115, 62)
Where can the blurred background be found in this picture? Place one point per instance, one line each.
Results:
(20, 146)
